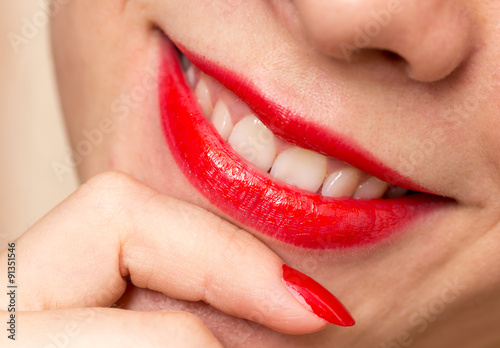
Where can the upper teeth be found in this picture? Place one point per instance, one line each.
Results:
(221, 119)
(341, 183)
(204, 99)
(300, 167)
(252, 140)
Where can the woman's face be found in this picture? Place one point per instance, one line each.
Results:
(406, 91)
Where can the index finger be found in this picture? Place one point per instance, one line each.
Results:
(115, 227)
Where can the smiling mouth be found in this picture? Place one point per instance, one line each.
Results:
(273, 171)
(254, 142)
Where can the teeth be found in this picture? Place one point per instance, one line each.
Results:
(252, 140)
(221, 119)
(371, 188)
(341, 183)
(203, 96)
(302, 168)
(191, 76)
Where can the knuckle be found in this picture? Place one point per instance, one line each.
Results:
(104, 187)
(107, 194)
(110, 180)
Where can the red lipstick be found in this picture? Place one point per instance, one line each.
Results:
(256, 200)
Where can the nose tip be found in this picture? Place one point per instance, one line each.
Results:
(432, 36)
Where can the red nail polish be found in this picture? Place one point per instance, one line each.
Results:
(321, 301)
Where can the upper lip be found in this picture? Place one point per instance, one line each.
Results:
(297, 129)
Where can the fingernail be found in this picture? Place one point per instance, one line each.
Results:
(319, 300)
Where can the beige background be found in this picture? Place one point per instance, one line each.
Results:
(32, 134)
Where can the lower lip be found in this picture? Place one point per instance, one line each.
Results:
(255, 200)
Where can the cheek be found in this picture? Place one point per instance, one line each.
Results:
(105, 68)
(138, 145)
(110, 77)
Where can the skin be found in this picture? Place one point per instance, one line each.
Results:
(397, 95)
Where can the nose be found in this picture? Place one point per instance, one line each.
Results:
(431, 36)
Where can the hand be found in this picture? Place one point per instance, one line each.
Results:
(71, 267)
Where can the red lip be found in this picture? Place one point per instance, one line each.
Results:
(254, 199)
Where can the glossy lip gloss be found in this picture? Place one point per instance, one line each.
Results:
(253, 198)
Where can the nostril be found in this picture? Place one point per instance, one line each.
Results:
(382, 57)
(365, 54)
(391, 55)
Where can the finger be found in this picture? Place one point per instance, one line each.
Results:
(114, 227)
(107, 328)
